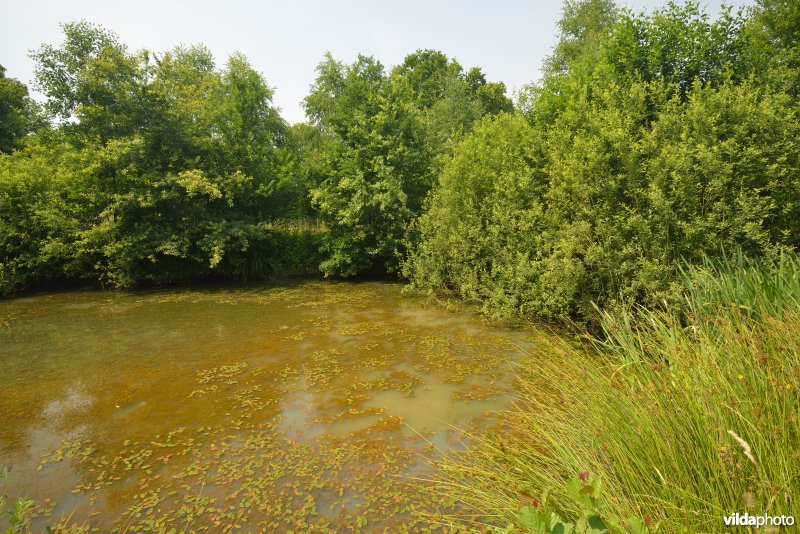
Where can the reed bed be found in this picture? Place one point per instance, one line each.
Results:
(686, 415)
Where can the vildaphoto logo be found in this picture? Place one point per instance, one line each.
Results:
(747, 520)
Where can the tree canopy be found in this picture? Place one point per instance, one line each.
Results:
(19, 114)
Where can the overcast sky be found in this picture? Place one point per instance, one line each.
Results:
(285, 40)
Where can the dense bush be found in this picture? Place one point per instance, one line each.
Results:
(160, 168)
(650, 143)
(480, 230)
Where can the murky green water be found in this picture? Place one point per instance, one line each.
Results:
(307, 407)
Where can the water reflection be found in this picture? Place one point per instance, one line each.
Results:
(269, 408)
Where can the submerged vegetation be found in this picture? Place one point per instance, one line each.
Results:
(645, 189)
(305, 407)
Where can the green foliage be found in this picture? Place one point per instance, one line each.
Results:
(383, 135)
(650, 144)
(365, 193)
(168, 168)
(164, 168)
(676, 45)
(479, 229)
(773, 37)
(583, 26)
(17, 514)
(19, 114)
(688, 414)
(40, 213)
(586, 492)
(652, 138)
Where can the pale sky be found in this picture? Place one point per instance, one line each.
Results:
(285, 41)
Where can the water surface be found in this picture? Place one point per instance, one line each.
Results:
(310, 406)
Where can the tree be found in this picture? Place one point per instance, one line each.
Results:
(583, 26)
(19, 114)
(369, 165)
(677, 45)
(384, 136)
(162, 167)
(478, 231)
(651, 140)
(773, 44)
(84, 70)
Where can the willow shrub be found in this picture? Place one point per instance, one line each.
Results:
(605, 202)
(478, 229)
(686, 416)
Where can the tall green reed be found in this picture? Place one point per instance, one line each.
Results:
(687, 415)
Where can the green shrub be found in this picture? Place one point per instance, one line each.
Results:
(653, 138)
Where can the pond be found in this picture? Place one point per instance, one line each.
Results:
(310, 406)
